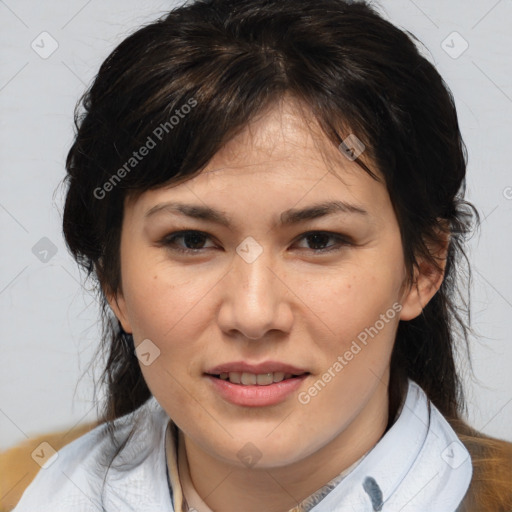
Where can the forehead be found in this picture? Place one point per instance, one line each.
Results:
(280, 158)
(284, 135)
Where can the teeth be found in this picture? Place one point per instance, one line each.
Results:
(248, 379)
(251, 379)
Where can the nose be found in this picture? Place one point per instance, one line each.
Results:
(255, 299)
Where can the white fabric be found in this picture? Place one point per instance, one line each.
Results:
(419, 465)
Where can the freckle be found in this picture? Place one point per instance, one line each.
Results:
(154, 277)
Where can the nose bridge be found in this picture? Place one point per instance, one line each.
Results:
(255, 300)
(255, 288)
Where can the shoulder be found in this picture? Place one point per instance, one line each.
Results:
(69, 475)
(103, 466)
(491, 485)
(19, 464)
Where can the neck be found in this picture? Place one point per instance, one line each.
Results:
(228, 488)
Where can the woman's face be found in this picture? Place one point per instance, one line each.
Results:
(263, 287)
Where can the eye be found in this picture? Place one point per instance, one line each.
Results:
(191, 238)
(317, 238)
(194, 241)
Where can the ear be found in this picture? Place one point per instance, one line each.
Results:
(427, 280)
(118, 305)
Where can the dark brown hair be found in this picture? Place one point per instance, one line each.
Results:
(355, 72)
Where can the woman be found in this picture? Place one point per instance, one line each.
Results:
(270, 195)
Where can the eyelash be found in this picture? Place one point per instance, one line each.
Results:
(169, 241)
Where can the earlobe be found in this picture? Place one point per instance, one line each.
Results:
(428, 276)
(418, 296)
(426, 283)
(118, 306)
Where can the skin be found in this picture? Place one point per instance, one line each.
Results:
(290, 304)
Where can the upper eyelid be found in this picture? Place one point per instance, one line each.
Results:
(182, 232)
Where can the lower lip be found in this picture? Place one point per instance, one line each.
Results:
(256, 396)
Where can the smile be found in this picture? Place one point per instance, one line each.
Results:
(250, 393)
(251, 379)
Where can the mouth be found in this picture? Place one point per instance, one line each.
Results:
(260, 379)
(247, 389)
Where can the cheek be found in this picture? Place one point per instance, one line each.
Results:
(172, 307)
(347, 304)
(359, 316)
(167, 308)
(161, 298)
(356, 317)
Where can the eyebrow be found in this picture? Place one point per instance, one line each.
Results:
(288, 217)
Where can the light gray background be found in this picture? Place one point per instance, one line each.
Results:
(49, 323)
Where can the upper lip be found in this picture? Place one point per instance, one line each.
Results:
(260, 368)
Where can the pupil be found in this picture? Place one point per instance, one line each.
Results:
(315, 239)
(194, 237)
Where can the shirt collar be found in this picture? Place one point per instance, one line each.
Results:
(418, 463)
